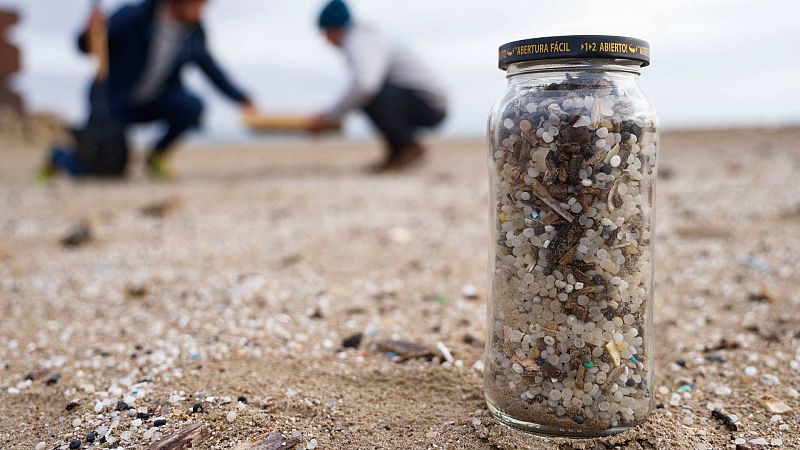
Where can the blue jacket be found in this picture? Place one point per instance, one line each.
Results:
(130, 32)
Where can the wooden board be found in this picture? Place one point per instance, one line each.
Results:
(278, 123)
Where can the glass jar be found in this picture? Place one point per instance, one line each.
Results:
(572, 168)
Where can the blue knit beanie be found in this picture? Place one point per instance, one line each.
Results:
(335, 15)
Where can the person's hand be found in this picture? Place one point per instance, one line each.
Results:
(319, 123)
(248, 109)
(97, 22)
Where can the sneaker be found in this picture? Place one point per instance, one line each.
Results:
(45, 174)
(158, 167)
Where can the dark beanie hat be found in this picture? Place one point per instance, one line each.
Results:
(335, 15)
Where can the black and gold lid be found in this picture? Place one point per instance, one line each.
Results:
(577, 46)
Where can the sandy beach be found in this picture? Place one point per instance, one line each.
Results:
(223, 298)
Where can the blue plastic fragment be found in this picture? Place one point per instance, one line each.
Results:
(756, 263)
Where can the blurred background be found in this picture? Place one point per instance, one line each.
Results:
(714, 62)
(251, 293)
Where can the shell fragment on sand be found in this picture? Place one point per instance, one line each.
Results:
(775, 405)
(407, 350)
(272, 442)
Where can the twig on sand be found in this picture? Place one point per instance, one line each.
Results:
(187, 438)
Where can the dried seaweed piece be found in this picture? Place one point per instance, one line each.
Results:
(544, 196)
(581, 276)
(612, 376)
(407, 350)
(573, 169)
(550, 371)
(599, 156)
(189, 437)
(549, 218)
(579, 377)
(563, 175)
(566, 238)
(725, 419)
(624, 152)
(635, 224)
(529, 366)
(160, 209)
(614, 199)
(551, 174)
(78, 235)
(568, 257)
(559, 191)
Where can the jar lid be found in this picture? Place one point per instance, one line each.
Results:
(577, 46)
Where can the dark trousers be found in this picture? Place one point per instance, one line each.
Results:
(400, 114)
(177, 108)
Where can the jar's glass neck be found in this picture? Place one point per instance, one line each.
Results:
(574, 65)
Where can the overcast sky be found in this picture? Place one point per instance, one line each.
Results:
(714, 62)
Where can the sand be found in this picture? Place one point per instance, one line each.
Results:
(266, 257)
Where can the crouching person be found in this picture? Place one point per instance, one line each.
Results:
(397, 92)
(149, 45)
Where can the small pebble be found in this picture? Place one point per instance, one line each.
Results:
(469, 291)
(40, 446)
(75, 443)
(769, 380)
(242, 399)
(750, 371)
(198, 407)
(231, 416)
(723, 390)
(160, 422)
(312, 444)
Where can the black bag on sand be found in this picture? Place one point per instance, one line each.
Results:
(101, 145)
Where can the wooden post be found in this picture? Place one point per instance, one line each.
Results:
(9, 62)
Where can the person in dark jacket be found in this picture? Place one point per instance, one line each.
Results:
(149, 44)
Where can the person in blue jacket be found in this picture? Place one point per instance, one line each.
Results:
(149, 44)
